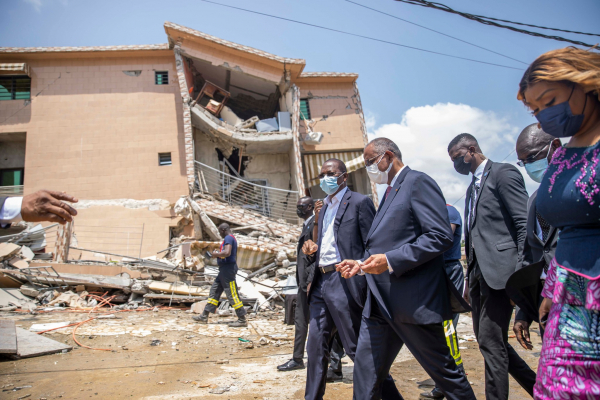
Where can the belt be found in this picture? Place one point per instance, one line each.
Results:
(328, 268)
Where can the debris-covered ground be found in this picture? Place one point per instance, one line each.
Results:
(171, 357)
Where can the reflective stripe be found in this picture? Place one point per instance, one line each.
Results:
(213, 302)
(452, 342)
(237, 303)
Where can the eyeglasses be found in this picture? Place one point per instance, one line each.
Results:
(530, 159)
(371, 160)
(321, 176)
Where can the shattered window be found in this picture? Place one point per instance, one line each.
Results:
(304, 109)
(15, 88)
(161, 77)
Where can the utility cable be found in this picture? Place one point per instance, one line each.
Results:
(361, 36)
(433, 30)
(487, 21)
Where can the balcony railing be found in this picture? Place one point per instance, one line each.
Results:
(270, 202)
(11, 190)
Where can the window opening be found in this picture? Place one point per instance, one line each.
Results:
(161, 77)
(15, 88)
(164, 159)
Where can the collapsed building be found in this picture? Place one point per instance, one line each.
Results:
(238, 132)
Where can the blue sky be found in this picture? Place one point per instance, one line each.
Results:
(402, 90)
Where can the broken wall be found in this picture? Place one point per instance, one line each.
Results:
(106, 128)
(342, 127)
(275, 168)
(205, 149)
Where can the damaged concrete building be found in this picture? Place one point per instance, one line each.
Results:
(130, 129)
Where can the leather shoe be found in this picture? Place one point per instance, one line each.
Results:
(291, 365)
(333, 376)
(434, 394)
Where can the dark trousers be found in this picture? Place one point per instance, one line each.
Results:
(225, 282)
(380, 341)
(454, 270)
(492, 312)
(333, 309)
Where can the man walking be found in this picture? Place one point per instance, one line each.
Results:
(408, 294)
(495, 230)
(305, 271)
(336, 303)
(535, 149)
(225, 281)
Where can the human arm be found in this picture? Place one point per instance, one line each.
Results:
(453, 226)
(226, 252)
(43, 205)
(430, 214)
(318, 207)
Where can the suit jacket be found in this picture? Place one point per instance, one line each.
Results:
(524, 286)
(500, 224)
(351, 225)
(305, 265)
(413, 230)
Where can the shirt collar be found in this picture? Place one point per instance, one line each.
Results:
(337, 198)
(479, 171)
(396, 176)
(307, 221)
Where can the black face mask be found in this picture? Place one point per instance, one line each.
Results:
(301, 211)
(461, 166)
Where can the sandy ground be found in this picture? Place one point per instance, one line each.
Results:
(189, 364)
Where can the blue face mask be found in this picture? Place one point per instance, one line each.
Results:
(536, 169)
(329, 184)
(559, 120)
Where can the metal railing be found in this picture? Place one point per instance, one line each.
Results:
(270, 202)
(125, 240)
(11, 190)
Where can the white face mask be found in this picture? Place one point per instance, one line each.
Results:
(376, 175)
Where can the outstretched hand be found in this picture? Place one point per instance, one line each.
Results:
(48, 205)
(348, 268)
(309, 247)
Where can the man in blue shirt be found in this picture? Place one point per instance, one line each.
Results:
(454, 270)
(225, 281)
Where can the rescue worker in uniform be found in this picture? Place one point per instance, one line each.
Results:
(225, 281)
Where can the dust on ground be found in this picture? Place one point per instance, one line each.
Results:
(186, 363)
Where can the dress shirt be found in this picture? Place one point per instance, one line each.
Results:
(11, 211)
(309, 219)
(329, 250)
(478, 174)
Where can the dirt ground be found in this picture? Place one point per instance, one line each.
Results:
(189, 364)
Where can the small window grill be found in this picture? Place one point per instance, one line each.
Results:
(164, 159)
(161, 77)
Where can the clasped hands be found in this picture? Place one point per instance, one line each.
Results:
(376, 264)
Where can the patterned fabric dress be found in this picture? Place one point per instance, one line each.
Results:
(569, 366)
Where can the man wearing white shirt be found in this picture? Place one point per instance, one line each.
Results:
(44, 205)
(336, 304)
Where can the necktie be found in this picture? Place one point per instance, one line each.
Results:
(544, 225)
(474, 191)
(387, 191)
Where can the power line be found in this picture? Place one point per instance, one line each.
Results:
(362, 36)
(487, 21)
(433, 30)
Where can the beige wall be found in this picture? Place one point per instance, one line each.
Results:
(341, 130)
(95, 132)
(275, 168)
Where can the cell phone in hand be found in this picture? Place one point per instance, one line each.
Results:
(208, 254)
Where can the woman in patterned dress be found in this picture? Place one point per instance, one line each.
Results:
(561, 88)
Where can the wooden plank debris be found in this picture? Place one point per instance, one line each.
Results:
(8, 337)
(30, 344)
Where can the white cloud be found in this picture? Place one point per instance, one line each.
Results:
(424, 133)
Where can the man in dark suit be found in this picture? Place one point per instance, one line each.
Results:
(43, 205)
(336, 303)
(495, 230)
(408, 296)
(305, 271)
(535, 149)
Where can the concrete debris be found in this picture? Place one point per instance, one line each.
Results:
(8, 250)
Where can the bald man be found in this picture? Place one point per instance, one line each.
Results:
(225, 281)
(535, 149)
